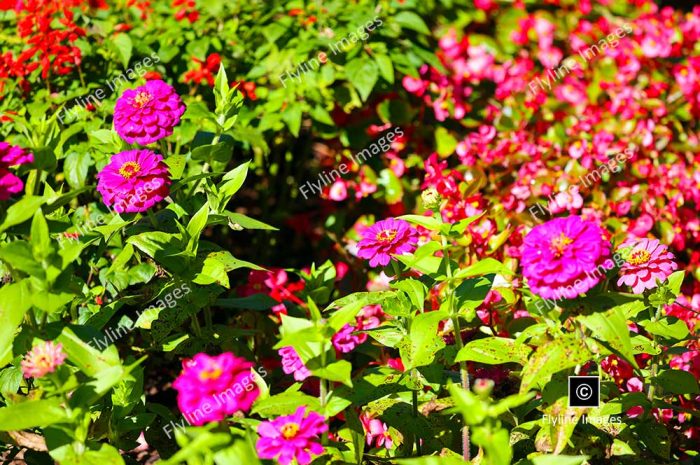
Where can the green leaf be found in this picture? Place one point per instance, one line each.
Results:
(216, 267)
(564, 352)
(363, 74)
(18, 255)
(485, 266)
(88, 359)
(494, 351)
(471, 293)
(428, 222)
(415, 290)
(559, 459)
(285, 403)
(468, 404)
(386, 67)
(39, 235)
(176, 165)
(15, 301)
(667, 327)
(21, 211)
(76, 167)
(165, 248)
(392, 185)
(31, 414)
(410, 20)
(195, 227)
(232, 182)
(675, 281)
(220, 152)
(124, 48)
(337, 371)
(445, 142)
(677, 382)
(611, 326)
(292, 117)
(419, 348)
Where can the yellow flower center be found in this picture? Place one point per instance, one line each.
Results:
(560, 243)
(43, 361)
(129, 169)
(290, 430)
(142, 98)
(639, 257)
(386, 235)
(211, 373)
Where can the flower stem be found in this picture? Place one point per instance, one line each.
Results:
(463, 371)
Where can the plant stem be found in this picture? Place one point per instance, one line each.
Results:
(463, 371)
(323, 395)
(655, 361)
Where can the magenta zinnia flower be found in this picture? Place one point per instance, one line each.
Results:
(9, 184)
(291, 437)
(212, 388)
(565, 257)
(648, 261)
(42, 359)
(292, 363)
(12, 155)
(134, 181)
(148, 113)
(387, 237)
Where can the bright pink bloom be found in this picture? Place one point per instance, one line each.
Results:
(9, 184)
(12, 155)
(376, 432)
(292, 363)
(134, 181)
(561, 257)
(648, 261)
(291, 437)
(387, 237)
(345, 340)
(42, 359)
(212, 388)
(148, 113)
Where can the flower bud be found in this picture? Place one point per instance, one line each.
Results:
(431, 198)
(483, 387)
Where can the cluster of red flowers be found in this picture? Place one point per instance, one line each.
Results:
(186, 9)
(49, 30)
(204, 70)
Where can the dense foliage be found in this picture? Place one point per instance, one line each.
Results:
(349, 232)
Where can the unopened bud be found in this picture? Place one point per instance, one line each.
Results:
(483, 387)
(431, 198)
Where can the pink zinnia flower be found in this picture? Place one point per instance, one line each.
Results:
(42, 359)
(648, 261)
(134, 181)
(291, 437)
(561, 258)
(387, 237)
(376, 432)
(148, 113)
(212, 388)
(12, 155)
(9, 184)
(292, 363)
